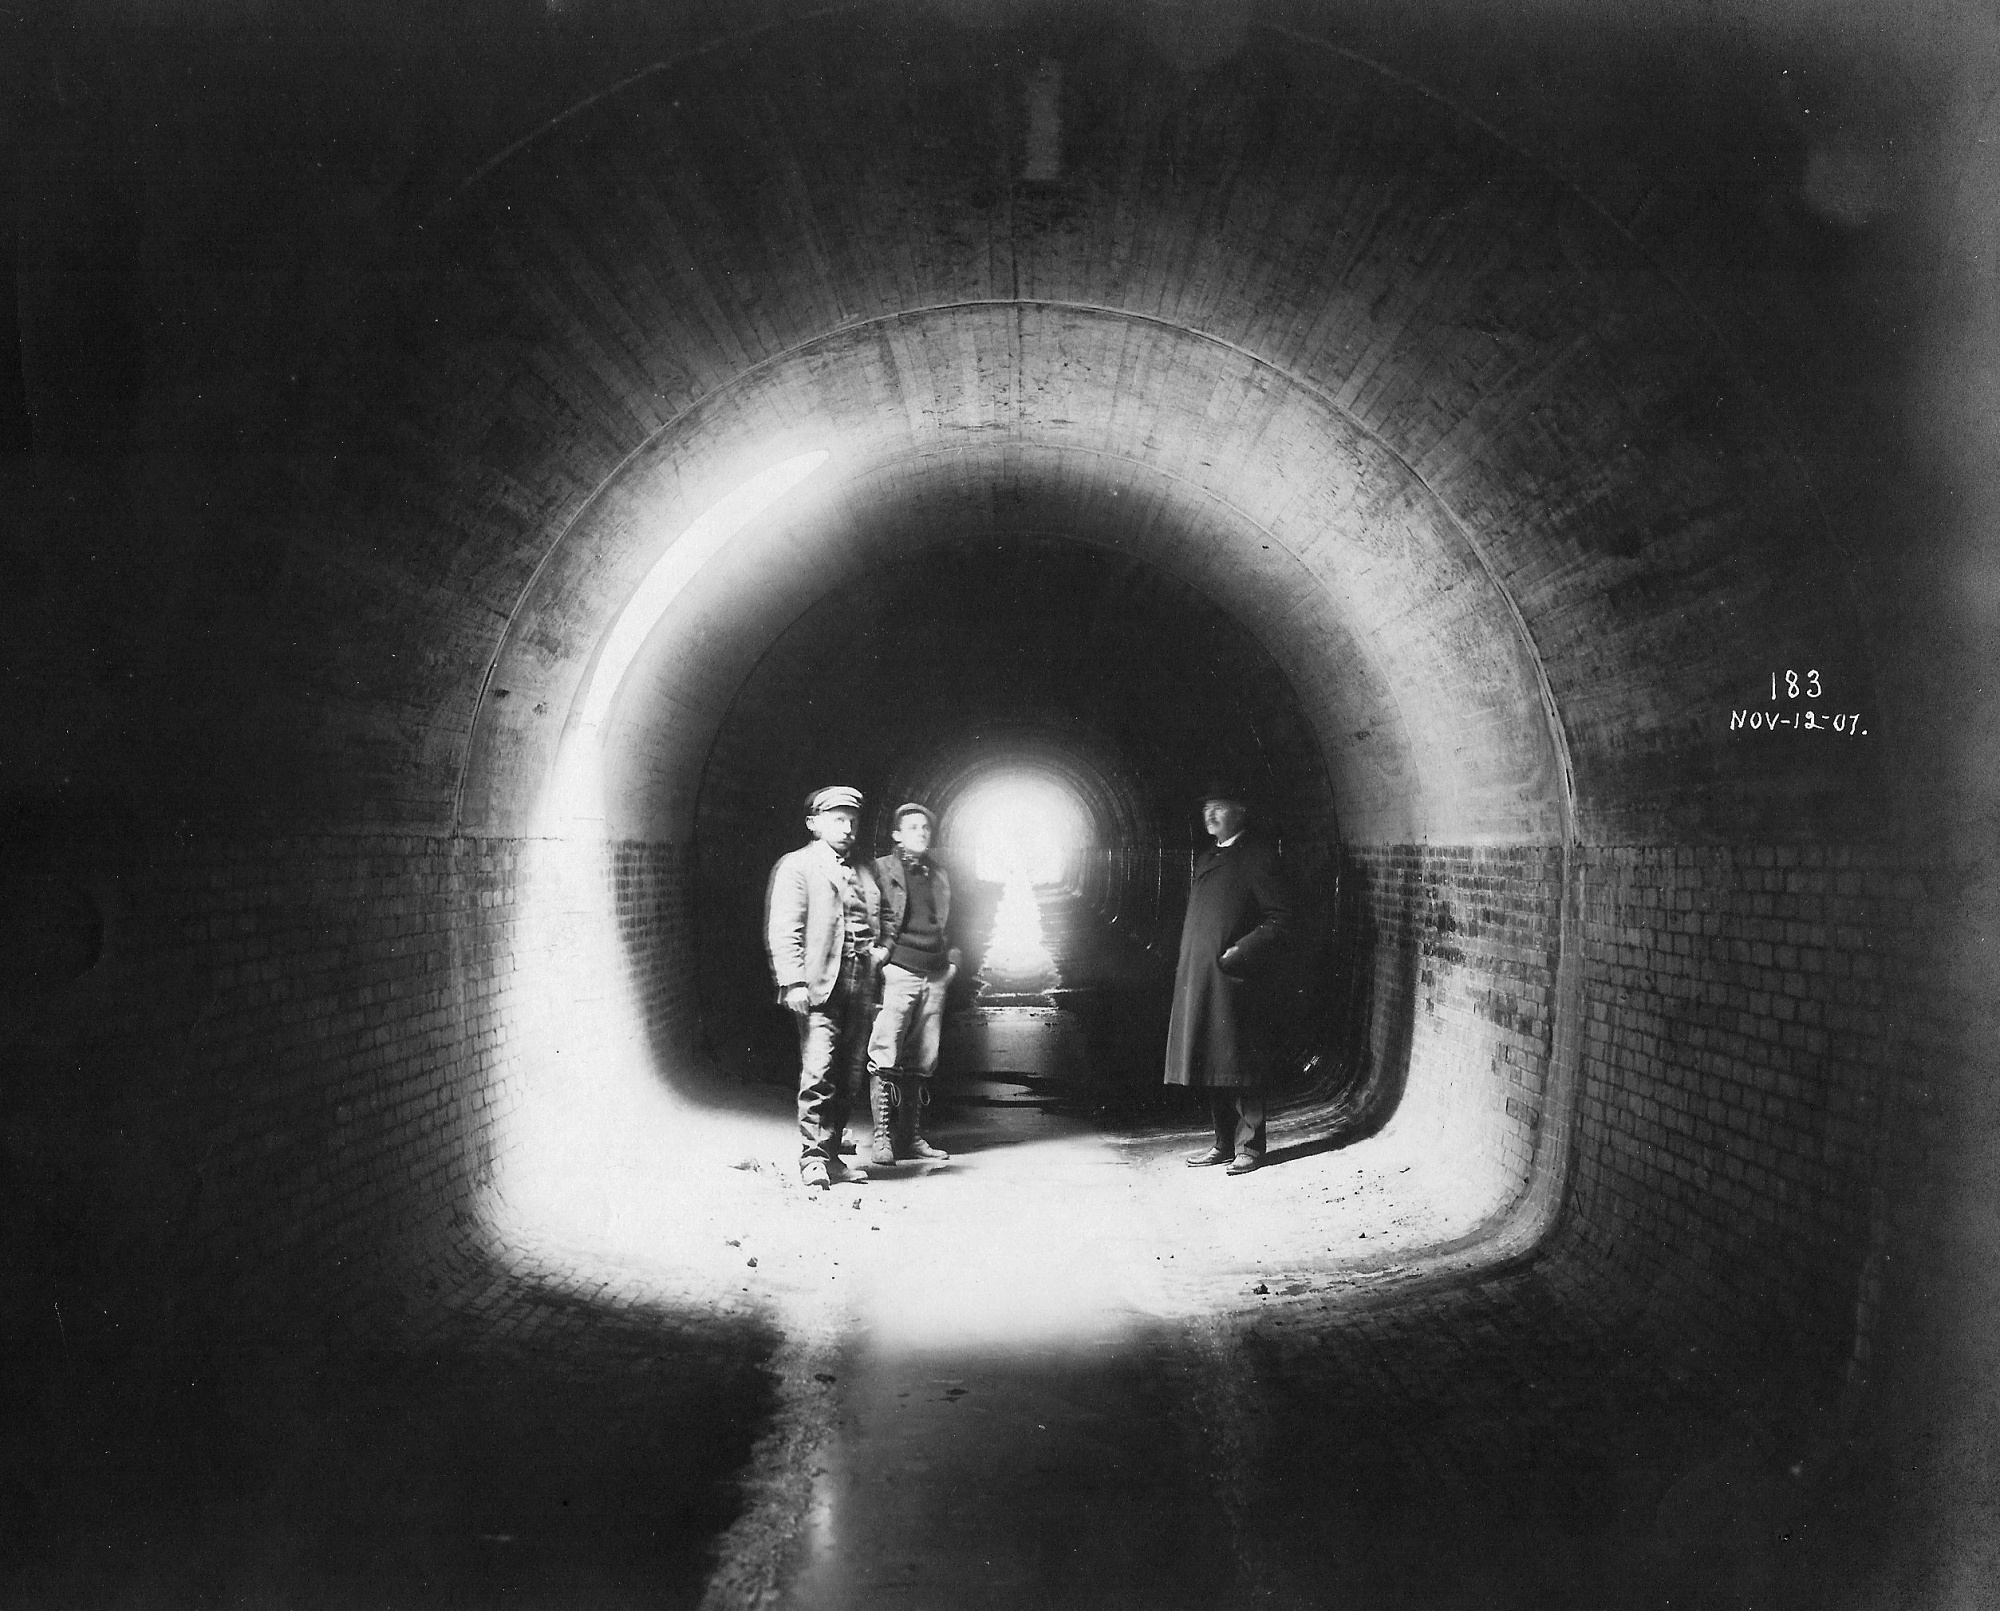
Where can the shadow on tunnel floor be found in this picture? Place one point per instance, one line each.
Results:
(525, 1449)
(1491, 1445)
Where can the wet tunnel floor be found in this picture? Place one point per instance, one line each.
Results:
(1014, 1429)
(1060, 1371)
(1070, 1372)
(1063, 1421)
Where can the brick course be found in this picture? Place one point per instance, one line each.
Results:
(328, 1062)
(278, 1068)
(1753, 1026)
(1449, 959)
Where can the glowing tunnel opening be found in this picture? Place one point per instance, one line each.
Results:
(1019, 830)
(1024, 833)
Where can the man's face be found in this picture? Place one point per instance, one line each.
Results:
(913, 833)
(1223, 818)
(835, 827)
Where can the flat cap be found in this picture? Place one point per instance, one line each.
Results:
(920, 809)
(832, 799)
(1223, 789)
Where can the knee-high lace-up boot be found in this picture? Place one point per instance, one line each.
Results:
(882, 1101)
(917, 1097)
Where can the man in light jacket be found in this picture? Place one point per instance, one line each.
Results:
(903, 1051)
(823, 930)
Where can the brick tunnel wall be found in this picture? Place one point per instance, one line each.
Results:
(277, 1070)
(1763, 1024)
(656, 895)
(1449, 968)
(326, 1058)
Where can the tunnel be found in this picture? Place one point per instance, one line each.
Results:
(472, 475)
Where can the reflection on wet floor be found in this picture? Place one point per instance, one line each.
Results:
(1016, 1427)
(1026, 1394)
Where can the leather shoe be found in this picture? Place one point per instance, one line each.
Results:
(1202, 1160)
(813, 1175)
(1242, 1165)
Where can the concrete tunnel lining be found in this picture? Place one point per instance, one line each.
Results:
(1477, 751)
(1449, 643)
(1366, 580)
(316, 923)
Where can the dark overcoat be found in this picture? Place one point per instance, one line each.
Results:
(1236, 916)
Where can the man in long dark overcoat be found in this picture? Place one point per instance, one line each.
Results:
(1216, 1038)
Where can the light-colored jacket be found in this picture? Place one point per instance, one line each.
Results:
(804, 919)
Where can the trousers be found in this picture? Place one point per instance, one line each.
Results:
(1238, 1112)
(833, 1067)
(907, 1024)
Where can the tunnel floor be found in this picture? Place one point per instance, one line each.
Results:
(1060, 1370)
(1065, 1370)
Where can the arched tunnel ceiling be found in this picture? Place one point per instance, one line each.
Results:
(1312, 298)
(1008, 420)
(1310, 339)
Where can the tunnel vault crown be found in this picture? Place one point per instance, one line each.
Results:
(1405, 405)
(1421, 689)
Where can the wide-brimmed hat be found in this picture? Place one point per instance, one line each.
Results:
(832, 799)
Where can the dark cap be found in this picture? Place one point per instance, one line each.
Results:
(919, 808)
(1224, 789)
(832, 799)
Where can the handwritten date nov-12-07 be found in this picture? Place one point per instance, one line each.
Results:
(1786, 688)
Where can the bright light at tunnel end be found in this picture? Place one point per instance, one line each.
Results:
(1018, 829)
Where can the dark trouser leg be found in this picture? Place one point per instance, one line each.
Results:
(1250, 1125)
(822, 1108)
(851, 1058)
(1222, 1110)
(851, 1048)
(1239, 1121)
(833, 1064)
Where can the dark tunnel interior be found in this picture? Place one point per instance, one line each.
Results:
(927, 678)
(470, 474)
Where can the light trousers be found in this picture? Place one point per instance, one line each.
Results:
(908, 1022)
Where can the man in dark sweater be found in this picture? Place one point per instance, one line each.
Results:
(903, 1050)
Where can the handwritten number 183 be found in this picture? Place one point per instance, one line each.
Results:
(1794, 686)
